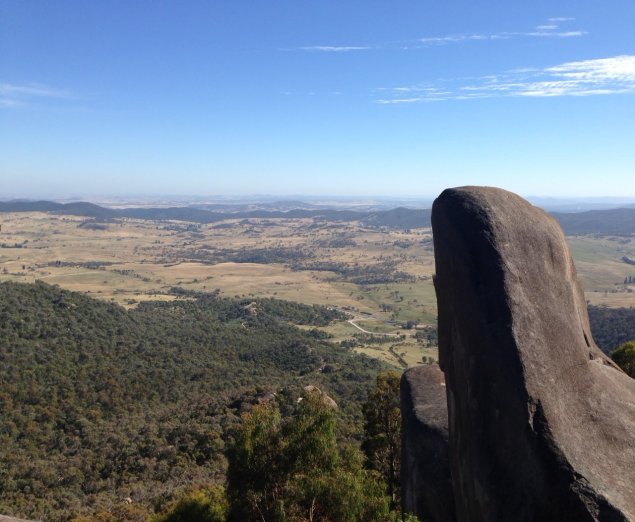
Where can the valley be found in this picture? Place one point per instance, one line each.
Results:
(133, 348)
(381, 276)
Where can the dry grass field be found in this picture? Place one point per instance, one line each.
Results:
(383, 278)
(600, 266)
(134, 260)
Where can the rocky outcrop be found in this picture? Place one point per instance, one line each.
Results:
(328, 401)
(426, 488)
(541, 423)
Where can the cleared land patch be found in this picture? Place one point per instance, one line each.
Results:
(382, 277)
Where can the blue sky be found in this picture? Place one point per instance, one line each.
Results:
(399, 98)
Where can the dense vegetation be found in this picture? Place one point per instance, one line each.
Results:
(611, 326)
(100, 404)
(386, 271)
(382, 433)
(291, 469)
(245, 255)
(379, 273)
(624, 357)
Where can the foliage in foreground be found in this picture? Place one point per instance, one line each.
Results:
(100, 404)
(208, 504)
(292, 470)
(382, 433)
(611, 327)
(624, 357)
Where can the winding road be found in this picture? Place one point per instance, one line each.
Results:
(352, 321)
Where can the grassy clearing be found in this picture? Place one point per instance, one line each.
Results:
(617, 299)
(382, 354)
(402, 355)
(341, 330)
(378, 327)
(142, 260)
(135, 260)
(601, 270)
(400, 302)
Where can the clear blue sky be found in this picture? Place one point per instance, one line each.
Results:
(316, 97)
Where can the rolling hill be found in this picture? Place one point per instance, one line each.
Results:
(396, 218)
(620, 221)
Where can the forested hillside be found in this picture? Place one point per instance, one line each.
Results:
(100, 404)
(618, 221)
(612, 326)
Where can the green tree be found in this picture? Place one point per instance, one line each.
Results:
(349, 493)
(309, 436)
(201, 505)
(256, 474)
(624, 357)
(382, 432)
(292, 470)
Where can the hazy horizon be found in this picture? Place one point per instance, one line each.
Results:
(571, 204)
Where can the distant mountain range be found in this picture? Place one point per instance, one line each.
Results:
(619, 221)
(79, 208)
(581, 204)
(395, 218)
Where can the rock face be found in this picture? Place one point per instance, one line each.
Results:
(426, 488)
(541, 423)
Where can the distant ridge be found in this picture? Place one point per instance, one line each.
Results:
(399, 218)
(396, 218)
(79, 208)
(619, 221)
(29, 206)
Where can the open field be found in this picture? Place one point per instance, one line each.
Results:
(404, 355)
(374, 275)
(599, 259)
(382, 277)
(599, 264)
(297, 259)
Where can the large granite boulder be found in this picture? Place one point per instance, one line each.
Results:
(541, 423)
(426, 487)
